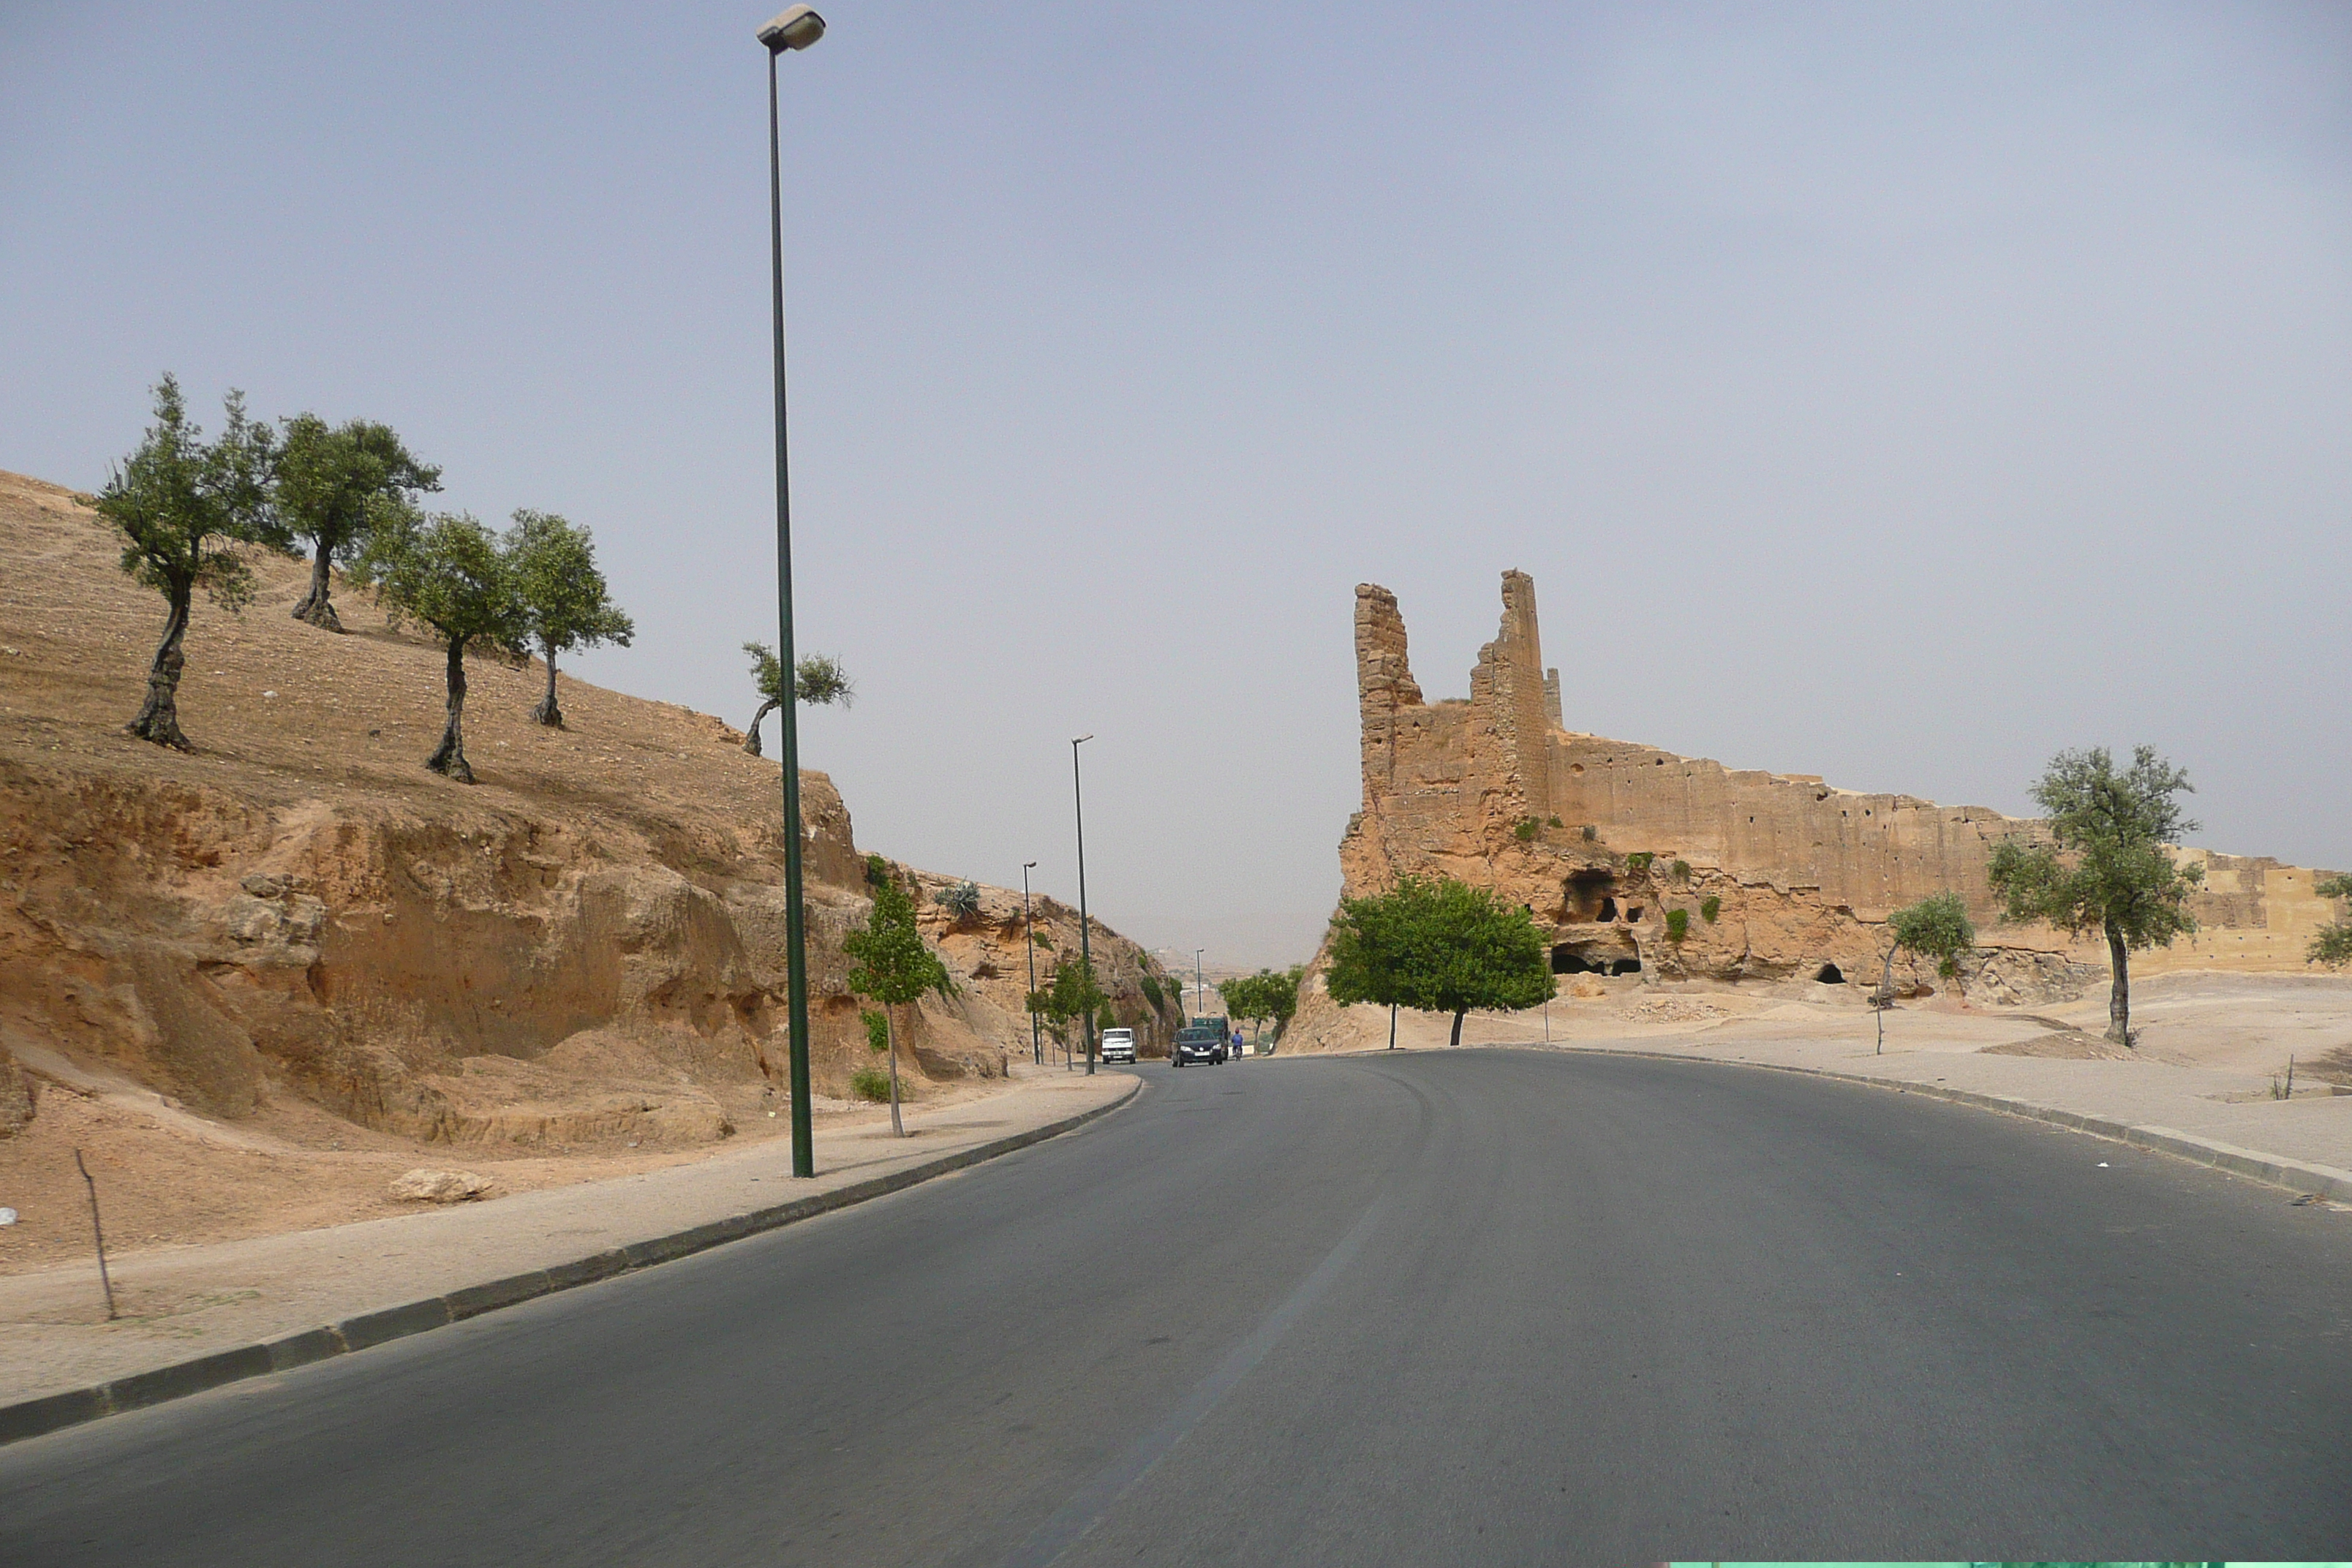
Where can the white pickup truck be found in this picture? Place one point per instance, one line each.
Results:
(1119, 1044)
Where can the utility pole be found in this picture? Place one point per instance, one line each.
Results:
(1036, 1045)
(1085, 925)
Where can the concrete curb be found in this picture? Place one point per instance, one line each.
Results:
(2295, 1176)
(33, 1417)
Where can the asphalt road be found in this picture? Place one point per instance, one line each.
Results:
(1488, 1306)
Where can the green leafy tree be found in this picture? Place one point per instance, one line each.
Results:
(1440, 946)
(2333, 945)
(2109, 869)
(1077, 995)
(1268, 996)
(564, 600)
(1936, 928)
(447, 572)
(894, 967)
(183, 506)
(334, 485)
(819, 681)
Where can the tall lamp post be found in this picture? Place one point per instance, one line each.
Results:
(1036, 1045)
(1086, 926)
(1200, 990)
(796, 28)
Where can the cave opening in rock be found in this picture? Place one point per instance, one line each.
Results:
(1831, 975)
(1626, 966)
(1608, 909)
(1566, 959)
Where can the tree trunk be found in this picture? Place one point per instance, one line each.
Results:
(449, 757)
(315, 607)
(2119, 995)
(752, 735)
(547, 712)
(159, 718)
(1392, 1007)
(890, 1025)
(1456, 1041)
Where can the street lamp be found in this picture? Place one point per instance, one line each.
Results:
(1086, 926)
(1199, 991)
(1036, 1045)
(796, 28)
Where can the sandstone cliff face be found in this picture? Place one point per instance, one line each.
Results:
(588, 946)
(1778, 877)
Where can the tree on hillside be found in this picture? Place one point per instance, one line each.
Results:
(1936, 928)
(2109, 867)
(894, 968)
(447, 572)
(183, 506)
(2333, 945)
(818, 681)
(563, 598)
(334, 485)
(1440, 946)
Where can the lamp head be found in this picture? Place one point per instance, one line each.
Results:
(1028, 865)
(794, 28)
(1082, 740)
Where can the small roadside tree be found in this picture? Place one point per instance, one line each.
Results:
(894, 968)
(2333, 945)
(334, 485)
(183, 506)
(818, 681)
(1440, 946)
(448, 574)
(1936, 928)
(1269, 996)
(563, 599)
(2109, 869)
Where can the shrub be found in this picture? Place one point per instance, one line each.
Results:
(1526, 829)
(1639, 861)
(1152, 994)
(1555, 822)
(871, 1083)
(1682, 870)
(878, 1030)
(1708, 908)
(877, 870)
(1041, 937)
(1591, 833)
(1678, 924)
(962, 900)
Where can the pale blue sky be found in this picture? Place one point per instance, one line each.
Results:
(1896, 393)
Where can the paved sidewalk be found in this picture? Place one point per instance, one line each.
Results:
(2306, 1141)
(258, 1305)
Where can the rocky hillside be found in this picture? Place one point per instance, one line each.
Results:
(585, 946)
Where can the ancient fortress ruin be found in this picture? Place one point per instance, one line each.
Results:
(1781, 877)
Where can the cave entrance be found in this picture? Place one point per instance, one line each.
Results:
(1831, 975)
(1608, 909)
(1588, 891)
(1566, 959)
(1626, 966)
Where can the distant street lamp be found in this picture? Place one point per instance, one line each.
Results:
(1199, 991)
(1036, 1045)
(1086, 926)
(794, 30)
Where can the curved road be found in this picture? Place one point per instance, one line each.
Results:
(1487, 1306)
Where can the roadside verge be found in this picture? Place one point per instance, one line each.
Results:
(280, 1352)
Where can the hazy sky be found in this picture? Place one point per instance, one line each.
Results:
(1896, 393)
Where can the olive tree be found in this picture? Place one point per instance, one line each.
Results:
(894, 967)
(1936, 928)
(334, 485)
(447, 572)
(2109, 867)
(563, 598)
(183, 507)
(1440, 946)
(818, 681)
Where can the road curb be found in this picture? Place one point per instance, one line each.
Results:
(2294, 1176)
(71, 1407)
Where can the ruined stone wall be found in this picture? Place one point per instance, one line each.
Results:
(1782, 876)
